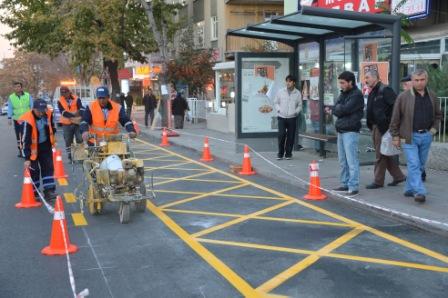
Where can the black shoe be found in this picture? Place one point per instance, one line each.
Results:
(279, 157)
(419, 198)
(424, 176)
(409, 193)
(50, 195)
(288, 157)
(396, 182)
(341, 188)
(352, 193)
(300, 148)
(373, 186)
(20, 155)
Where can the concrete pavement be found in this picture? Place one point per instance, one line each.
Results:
(389, 201)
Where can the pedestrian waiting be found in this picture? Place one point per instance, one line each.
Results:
(415, 119)
(349, 109)
(150, 103)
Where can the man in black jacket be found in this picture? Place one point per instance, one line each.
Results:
(379, 112)
(349, 109)
(150, 103)
(179, 106)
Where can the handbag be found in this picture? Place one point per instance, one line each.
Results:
(387, 147)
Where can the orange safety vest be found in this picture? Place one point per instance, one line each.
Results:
(73, 108)
(31, 120)
(104, 127)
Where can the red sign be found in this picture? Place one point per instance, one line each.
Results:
(372, 6)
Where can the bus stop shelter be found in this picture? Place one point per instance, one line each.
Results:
(312, 24)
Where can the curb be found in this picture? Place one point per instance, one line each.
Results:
(416, 222)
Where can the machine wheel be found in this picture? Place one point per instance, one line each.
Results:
(124, 213)
(95, 208)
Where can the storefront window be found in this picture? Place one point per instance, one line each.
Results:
(225, 89)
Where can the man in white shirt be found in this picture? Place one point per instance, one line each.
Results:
(288, 104)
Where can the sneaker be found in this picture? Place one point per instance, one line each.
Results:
(409, 193)
(288, 157)
(279, 158)
(341, 188)
(373, 186)
(396, 182)
(352, 193)
(419, 198)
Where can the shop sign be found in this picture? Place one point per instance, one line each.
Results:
(142, 70)
(372, 6)
(414, 9)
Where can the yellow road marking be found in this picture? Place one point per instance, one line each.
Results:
(221, 194)
(308, 261)
(202, 196)
(182, 178)
(70, 197)
(157, 157)
(241, 219)
(198, 180)
(304, 221)
(62, 181)
(146, 151)
(239, 283)
(174, 168)
(79, 219)
(330, 255)
(167, 166)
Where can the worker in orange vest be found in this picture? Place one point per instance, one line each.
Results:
(37, 143)
(102, 116)
(71, 110)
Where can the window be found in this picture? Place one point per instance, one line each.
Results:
(214, 28)
(199, 35)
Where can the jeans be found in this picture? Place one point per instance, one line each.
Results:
(71, 131)
(149, 113)
(416, 155)
(348, 159)
(286, 135)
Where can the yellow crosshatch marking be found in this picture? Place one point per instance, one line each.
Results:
(182, 178)
(62, 182)
(79, 219)
(70, 197)
(194, 240)
(198, 180)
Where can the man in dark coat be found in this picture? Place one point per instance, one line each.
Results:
(179, 106)
(379, 112)
(150, 103)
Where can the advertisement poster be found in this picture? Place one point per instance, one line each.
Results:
(261, 78)
(381, 67)
(372, 6)
(414, 9)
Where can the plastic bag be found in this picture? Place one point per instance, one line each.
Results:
(387, 148)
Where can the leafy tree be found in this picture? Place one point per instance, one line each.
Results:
(93, 33)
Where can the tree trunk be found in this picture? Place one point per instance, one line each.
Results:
(112, 67)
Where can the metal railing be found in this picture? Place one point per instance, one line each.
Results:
(441, 136)
(198, 109)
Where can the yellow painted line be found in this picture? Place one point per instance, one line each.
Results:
(70, 197)
(164, 160)
(240, 284)
(198, 180)
(63, 182)
(241, 219)
(146, 151)
(182, 178)
(156, 157)
(220, 195)
(269, 218)
(308, 261)
(79, 219)
(201, 196)
(174, 168)
(379, 233)
(168, 166)
(330, 255)
(178, 191)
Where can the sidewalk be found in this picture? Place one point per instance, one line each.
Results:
(389, 201)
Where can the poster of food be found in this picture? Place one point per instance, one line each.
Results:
(261, 78)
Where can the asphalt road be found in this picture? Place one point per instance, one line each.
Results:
(208, 233)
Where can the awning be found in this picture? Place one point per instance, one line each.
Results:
(312, 24)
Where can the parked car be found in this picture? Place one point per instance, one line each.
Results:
(5, 108)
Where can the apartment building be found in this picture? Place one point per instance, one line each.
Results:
(212, 19)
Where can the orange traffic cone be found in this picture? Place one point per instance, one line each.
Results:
(28, 198)
(59, 171)
(165, 142)
(314, 192)
(247, 164)
(206, 155)
(59, 241)
(54, 155)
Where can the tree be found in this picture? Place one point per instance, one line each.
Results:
(193, 67)
(90, 32)
(36, 72)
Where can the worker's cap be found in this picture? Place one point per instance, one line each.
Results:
(64, 89)
(40, 105)
(406, 79)
(102, 92)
